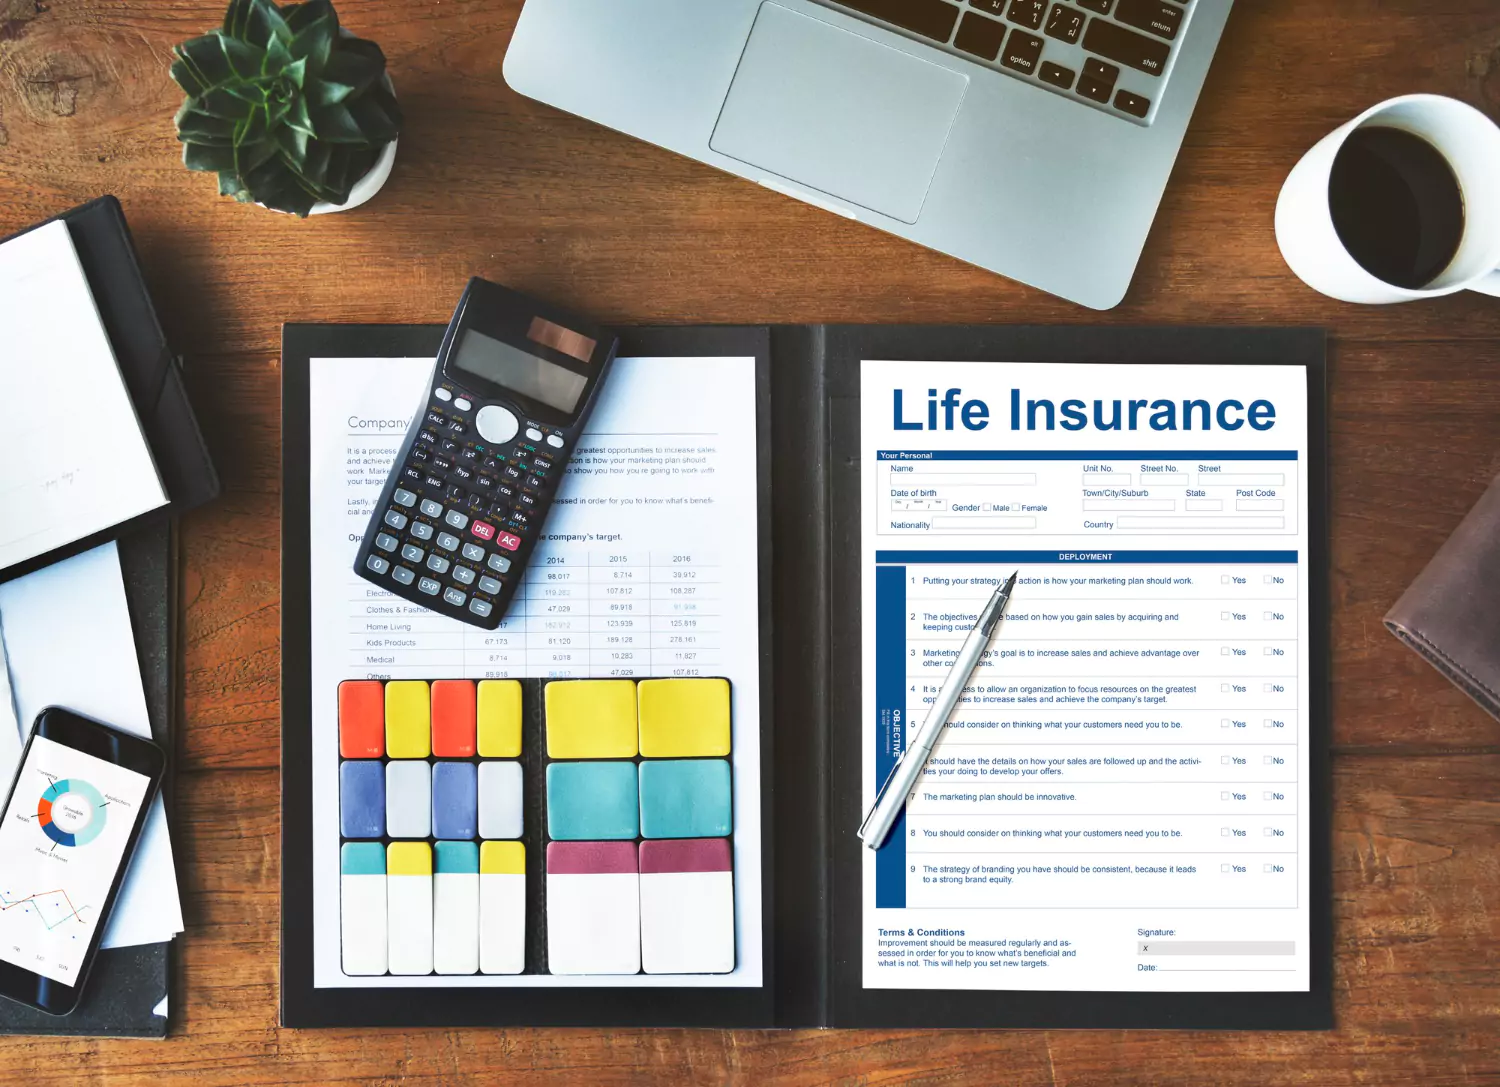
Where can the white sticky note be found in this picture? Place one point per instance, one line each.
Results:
(362, 915)
(502, 908)
(455, 908)
(499, 800)
(687, 907)
(408, 898)
(593, 908)
(408, 798)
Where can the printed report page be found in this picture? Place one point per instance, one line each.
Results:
(1120, 800)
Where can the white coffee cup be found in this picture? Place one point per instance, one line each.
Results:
(1470, 142)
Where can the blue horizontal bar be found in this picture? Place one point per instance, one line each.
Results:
(1153, 456)
(1035, 558)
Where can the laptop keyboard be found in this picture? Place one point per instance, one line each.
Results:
(1111, 54)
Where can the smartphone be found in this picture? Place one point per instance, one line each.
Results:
(73, 816)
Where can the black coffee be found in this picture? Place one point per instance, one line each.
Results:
(1397, 206)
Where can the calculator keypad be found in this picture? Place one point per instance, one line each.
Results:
(464, 505)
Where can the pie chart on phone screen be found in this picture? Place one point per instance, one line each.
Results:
(71, 812)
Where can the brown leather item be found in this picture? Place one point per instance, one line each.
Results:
(1451, 613)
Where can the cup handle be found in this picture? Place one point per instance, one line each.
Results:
(1490, 284)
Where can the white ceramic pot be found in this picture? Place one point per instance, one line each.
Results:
(366, 186)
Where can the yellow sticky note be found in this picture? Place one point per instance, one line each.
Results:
(408, 858)
(408, 719)
(502, 859)
(499, 719)
(684, 717)
(591, 719)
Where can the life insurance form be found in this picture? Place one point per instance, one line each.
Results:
(1121, 799)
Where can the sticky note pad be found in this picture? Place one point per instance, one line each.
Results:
(592, 800)
(499, 800)
(361, 799)
(681, 718)
(453, 708)
(502, 908)
(455, 800)
(408, 899)
(408, 798)
(408, 719)
(455, 908)
(685, 798)
(687, 907)
(499, 714)
(591, 719)
(593, 908)
(361, 719)
(362, 907)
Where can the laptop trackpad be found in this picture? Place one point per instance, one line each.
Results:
(839, 113)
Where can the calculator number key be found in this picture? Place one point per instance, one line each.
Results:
(403, 497)
(456, 519)
(396, 519)
(447, 541)
(386, 542)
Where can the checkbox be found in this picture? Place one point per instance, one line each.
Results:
(1223, 722)
(1223, 867)
(1224, 759)
(1223, 688)
(1268, 688)
(1268, 796)
(1266, 651)
(1223, 651)
(1224, 615)
(1224, 579)
(1268, 723)
(1266, 759)
(1223, 796)
(1267, 831)
(1268, 616)
(1223, 832)
(1265, 868)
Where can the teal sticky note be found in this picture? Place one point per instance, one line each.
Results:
(685, 798)
(591, 801)
(362, 859)
(457, 857)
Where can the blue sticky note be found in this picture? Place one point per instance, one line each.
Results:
(685, 798)
(362, 799)
(455, 800)
(591, 801)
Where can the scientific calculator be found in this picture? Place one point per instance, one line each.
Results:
(463, 507)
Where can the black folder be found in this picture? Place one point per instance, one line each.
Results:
(152, 373)
(808, 412)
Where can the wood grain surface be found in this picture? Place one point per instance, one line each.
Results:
(489, 183)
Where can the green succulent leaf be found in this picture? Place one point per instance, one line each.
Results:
(285, 110)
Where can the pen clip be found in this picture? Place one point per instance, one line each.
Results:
(880, 795)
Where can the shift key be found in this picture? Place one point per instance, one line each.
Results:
(1126, 47)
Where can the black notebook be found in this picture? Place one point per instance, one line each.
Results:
(635, 803)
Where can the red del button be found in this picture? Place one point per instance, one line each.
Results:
(483, 531)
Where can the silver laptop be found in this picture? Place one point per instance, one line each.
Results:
(1030, 137)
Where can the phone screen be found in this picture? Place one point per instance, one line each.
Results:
(63, 836)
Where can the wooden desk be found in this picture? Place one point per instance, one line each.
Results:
(489, 183)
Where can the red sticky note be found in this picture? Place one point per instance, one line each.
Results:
(362, 719)
(453, 717)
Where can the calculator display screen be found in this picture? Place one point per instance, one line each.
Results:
(502, 364)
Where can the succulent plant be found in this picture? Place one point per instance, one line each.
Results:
(283, 107)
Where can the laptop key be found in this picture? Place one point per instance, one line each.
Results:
(1126, 47)
(980, 36)
(1100, 7)
(1065, 23)
(1057, 75)
(1022, 52)
(1153, 16)
(994, 7)
(1094, 89)
(1029, 13)
(1095, 68)
(930, 18)
(1132, 104)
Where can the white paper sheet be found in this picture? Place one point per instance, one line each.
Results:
(70, 643)
(664, 481)
(73, 459)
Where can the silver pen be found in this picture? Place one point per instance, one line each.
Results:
(892, 796)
